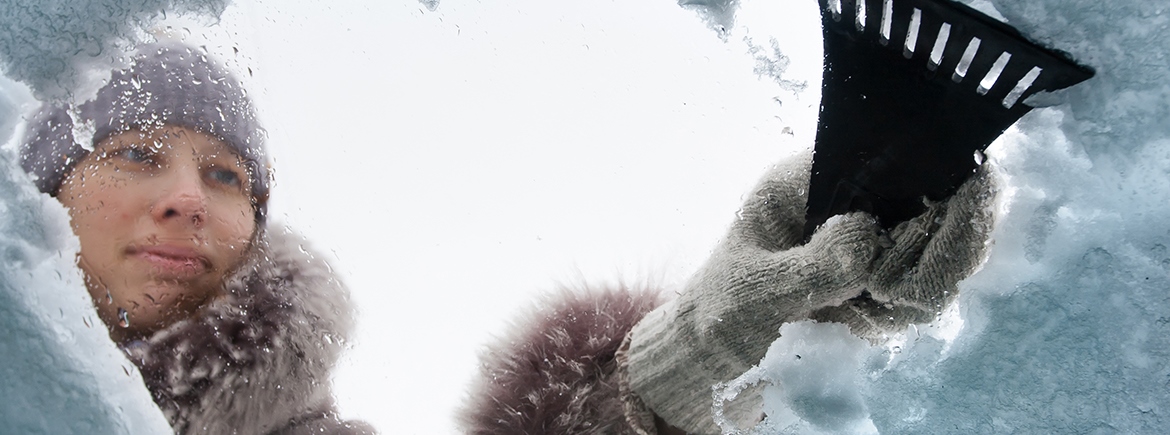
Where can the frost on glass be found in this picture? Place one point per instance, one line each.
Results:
(719, 14)
(772, 63)
(47, 44)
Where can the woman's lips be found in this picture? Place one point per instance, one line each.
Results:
(171, 261)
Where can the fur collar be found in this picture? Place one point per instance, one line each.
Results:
(554, 372)
(256, 360)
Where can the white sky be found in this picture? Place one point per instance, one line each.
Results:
(457, 162)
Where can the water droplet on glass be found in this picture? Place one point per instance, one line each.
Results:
(123, 318)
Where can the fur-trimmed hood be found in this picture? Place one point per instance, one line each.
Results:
(555, 371)
(256, 360)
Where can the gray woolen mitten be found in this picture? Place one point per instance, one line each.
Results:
(937, 249)
(759, 277)
(916, 278)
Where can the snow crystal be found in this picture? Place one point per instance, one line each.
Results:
(432, 5)
(1066, 328)
(719, 14)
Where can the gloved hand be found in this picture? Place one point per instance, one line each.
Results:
(913, 280)
(935, 250)
(761, 277)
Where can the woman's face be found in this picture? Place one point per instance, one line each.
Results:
(163, 217)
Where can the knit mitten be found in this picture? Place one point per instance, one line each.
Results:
(934, 251)
(758, 278)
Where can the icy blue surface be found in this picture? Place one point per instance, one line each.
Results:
(59, 372)
(1066, 329)
(46, 390)
(1069, 323)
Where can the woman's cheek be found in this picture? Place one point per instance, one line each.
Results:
(238, 235)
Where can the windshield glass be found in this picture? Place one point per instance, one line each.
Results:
(452, 160)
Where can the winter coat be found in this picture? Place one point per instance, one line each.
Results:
(555, 372)
(256, 360)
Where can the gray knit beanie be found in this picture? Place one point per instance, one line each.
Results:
(166, 84)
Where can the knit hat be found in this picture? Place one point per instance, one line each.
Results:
(166, 84)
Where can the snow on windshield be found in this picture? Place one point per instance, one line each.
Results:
(1064, 330)
(455, 159)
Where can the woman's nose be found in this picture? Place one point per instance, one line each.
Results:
(184, 201)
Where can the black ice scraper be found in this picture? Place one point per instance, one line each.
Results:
(913, 90)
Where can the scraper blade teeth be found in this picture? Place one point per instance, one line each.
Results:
(911, 89)
(1022, 86)
(940, 44)
(966, 61)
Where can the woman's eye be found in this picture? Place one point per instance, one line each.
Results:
(136, 155)
(225, 177)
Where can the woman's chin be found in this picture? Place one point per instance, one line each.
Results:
(155, 306)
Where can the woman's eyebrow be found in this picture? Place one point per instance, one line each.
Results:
(226, 155)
